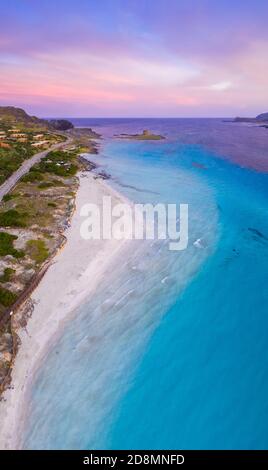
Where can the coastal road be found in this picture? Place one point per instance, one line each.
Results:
(26, 166)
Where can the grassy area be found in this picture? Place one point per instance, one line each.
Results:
(37, 250)
(33, 176)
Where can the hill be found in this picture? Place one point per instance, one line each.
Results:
(19, 117)
(13, 115)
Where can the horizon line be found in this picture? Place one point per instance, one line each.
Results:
(139, 117)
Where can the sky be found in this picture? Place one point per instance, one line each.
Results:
(135, 58)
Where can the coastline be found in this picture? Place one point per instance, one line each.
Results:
(74, 273)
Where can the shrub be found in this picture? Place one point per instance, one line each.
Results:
(12, 218)
(7, 298)
(6, 245)
(8, 197)
(8, 272)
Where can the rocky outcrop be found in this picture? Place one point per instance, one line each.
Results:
(60, 124)
(261, 118)
(6, 353)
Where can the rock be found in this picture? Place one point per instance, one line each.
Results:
(5, 356)
(6, 342)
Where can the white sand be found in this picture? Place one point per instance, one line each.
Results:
(76, 271)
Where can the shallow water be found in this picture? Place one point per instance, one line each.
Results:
(171, 351)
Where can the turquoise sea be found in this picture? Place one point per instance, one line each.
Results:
(172, 351)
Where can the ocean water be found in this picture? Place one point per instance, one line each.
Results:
(171, 352)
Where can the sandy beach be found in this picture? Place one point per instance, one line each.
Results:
(73, 275)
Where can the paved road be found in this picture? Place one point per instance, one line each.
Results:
(25, 167)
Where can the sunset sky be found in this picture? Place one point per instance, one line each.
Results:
(149, 58)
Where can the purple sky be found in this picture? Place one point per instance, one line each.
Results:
(135, 58)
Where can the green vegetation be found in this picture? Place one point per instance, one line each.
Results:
(12, 218)
(9, 196)
(45, 185)
(7, 298)
(32, 176)
(6, 245)
(37, 250)
(21, 137)
(149, 137)
(28, 208)
(12, 158)
(51, 184)
(59, 163)
(8, 273)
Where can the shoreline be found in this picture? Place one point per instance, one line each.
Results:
(73, 275)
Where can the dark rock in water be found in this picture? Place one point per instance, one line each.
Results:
(258, 233)
(199, 165)
(103, 175)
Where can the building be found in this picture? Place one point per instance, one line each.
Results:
(40, 144)
(19, 134)
(38, 136)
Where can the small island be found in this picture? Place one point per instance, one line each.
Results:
(146, 135)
